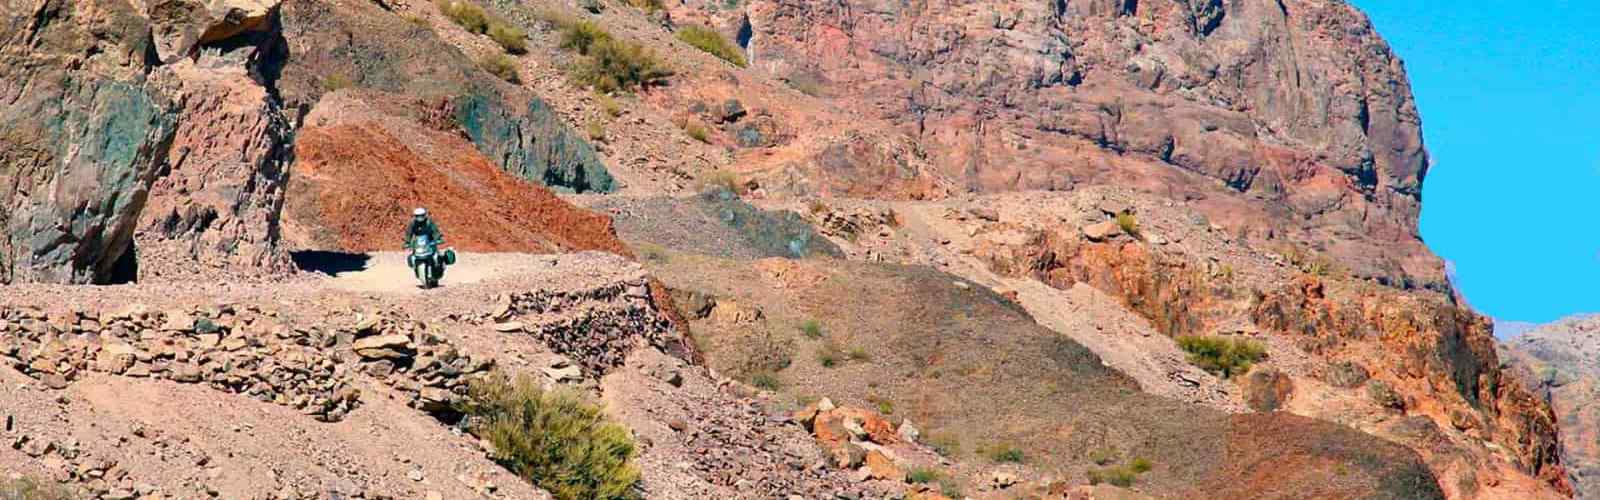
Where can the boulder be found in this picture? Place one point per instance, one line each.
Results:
(1346, 375)
(187, 373)
(1003, 479)
(384, 347)
(179, 26)
(563, 374)
(1267, 389)
(177, 321)
(908, 432)
(880, 466)
(1102, 231)
(116, 357)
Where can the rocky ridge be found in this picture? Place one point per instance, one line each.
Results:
(1336, 341)
(1557, 361)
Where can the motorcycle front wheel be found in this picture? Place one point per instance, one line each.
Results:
(426, 275)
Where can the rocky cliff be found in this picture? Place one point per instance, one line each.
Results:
(1286, 120)
(1559, 361)
(116, 124)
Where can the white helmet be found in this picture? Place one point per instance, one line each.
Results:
(419, 212)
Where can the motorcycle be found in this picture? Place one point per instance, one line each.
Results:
(427, 262)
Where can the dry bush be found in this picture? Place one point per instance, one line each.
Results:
(1222, 356)
(697, 131)
(609, 64)
(502, 66)
(468, 15)
(554, 439)
(510, 38)
(711, 42)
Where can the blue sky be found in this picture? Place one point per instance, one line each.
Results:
(1510, 99)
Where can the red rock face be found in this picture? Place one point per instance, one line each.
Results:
(1445, 348)
(1289, 120)
(361, 170)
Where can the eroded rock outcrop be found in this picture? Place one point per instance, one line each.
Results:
(95, 128)
(1428, 358)
(179, 26)
(1289, 120)
(360, 45)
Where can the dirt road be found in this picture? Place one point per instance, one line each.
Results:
(386, 272)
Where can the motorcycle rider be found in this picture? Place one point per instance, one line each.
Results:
(420, 225)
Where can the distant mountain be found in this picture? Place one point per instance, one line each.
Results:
(1507, 330)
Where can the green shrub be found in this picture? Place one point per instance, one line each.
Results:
(1128, 223)
(510, 38)
(28, 488)
(886, 407)
(1103, 456)
(812, 328)
(418, 21)
(766, 380)
(502, 66)
(1121, 476)
(711, 42)
(923, 475)
(554, 439)
(614, 65)
(466, 14)
(596, 131)
(1223, 356)
(1117, 476)
(610, 64)
(582, 35)
(859, 354)
(697, 132)
(1006, 452)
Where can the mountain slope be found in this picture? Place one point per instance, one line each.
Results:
(1559, 361)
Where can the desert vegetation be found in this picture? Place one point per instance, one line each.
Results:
(711, 42)
(811, 328)
(501, 66)
(1223, 356)
(609, 64)
(1006, 453)
(475, 20)
(1122, 475)
(555, 439)
(1128, 223)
